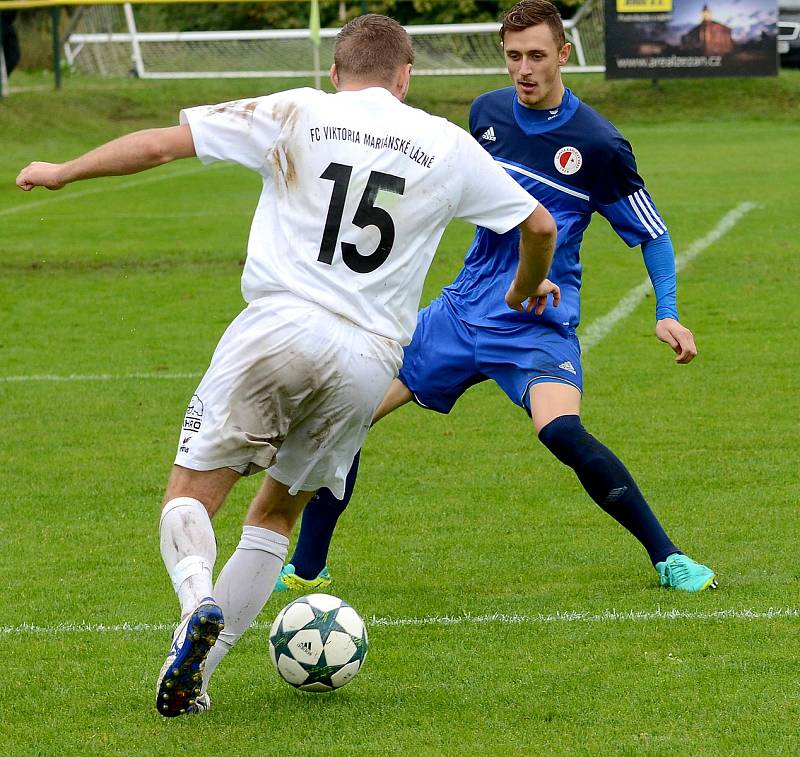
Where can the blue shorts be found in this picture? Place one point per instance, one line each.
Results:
(447, 356)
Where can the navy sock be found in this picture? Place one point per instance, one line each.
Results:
(318, 524)
(607, 481)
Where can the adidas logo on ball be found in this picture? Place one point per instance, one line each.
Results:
(305, 646)
(318, 643)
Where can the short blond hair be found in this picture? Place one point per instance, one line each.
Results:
(372, 47)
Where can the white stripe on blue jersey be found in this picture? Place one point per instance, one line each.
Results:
(649, 204)
(651, 212)
(543, 179)
(641, 214)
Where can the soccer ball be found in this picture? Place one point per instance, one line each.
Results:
(318, 643)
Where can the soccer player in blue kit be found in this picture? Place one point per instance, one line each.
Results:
(576, 163)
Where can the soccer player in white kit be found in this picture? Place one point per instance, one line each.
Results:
(357, 191)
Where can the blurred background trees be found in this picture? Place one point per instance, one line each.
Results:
(34, 25)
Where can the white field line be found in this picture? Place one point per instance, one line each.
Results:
(97, 377)
(571, 616)
(102, 188)
(590, 336)
(598, 329)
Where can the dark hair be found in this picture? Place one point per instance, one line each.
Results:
(372, 47)
(528, 13)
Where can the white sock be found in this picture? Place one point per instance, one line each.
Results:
(244, 586)
(189, 550)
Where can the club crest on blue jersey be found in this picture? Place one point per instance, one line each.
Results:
(576, 165)
(568, 160)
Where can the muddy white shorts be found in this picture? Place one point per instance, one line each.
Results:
(291, 388)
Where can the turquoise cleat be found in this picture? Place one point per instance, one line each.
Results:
(684, 574)
(289, 580)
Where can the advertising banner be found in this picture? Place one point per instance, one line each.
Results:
(653, 39)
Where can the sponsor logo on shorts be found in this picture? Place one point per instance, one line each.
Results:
(567, 366)
(194, 417)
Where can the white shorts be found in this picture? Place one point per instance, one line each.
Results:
(292, 388)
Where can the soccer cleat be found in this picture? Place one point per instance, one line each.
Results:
(201, 704)
(289, 580)
(178, 691)
(681, 572)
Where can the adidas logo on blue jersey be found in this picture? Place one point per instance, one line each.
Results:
(567, 366)
(488, 135)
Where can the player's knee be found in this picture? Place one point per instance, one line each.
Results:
(600, 471)
(325, 501)
(209, 487)
(278, 519)
(275, 508)
(564, 437)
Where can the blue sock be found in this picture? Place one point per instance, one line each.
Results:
(608, 482)
(318, 524)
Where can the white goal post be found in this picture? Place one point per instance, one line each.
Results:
(104, 40)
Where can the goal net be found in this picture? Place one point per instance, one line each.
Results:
(104, 40)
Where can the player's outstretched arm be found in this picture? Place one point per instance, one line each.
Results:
(537, 242)
(132, 153)
(659, 259)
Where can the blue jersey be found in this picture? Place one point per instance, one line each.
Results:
(575, 162)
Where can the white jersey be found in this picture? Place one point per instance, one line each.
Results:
(357, 191)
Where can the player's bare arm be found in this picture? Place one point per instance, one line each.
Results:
(679, 338)
(132, 153)
(537, 242)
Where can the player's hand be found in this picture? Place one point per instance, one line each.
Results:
(521, 299)
(40, 175)
(679, 338)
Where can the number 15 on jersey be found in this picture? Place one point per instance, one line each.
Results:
(366, 215)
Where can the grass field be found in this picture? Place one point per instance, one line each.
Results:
(509, 615)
